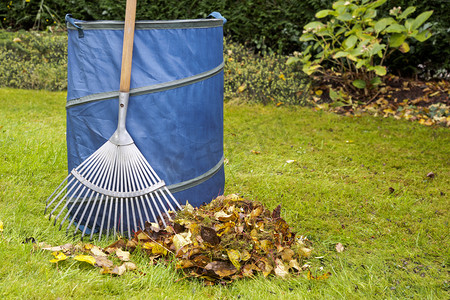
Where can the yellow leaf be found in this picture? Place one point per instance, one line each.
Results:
(223, 228)
(1, 226)
(181, 239)
(155, 247)
(59, 256)
(305, 252)
(404, 48)
(88, 246)
(234, 257)
(320, 277)
(223, 216)
(282, 77)
(242, 88)
(245, 255)
(266, 245)
(319, 92)
(86, 258)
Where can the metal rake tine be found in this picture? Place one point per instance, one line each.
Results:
(161, 202)
(103, 219)
(157, 208)
(67, 203)
(89, 216)
(57, 196)
(172, 198)
(136, 183)
(108, 184)
(101, 181)
(130, 185)
(84, 211)
(80, 205)
(121, 217)
(151, 209)
(131, 182)
(89, 176)
(96, 216)
(62, 199)
(115, 217)
(46, 202)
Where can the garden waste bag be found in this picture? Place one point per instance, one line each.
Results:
(175, 113)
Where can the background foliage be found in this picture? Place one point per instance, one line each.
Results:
(38, 60)
(261, 24)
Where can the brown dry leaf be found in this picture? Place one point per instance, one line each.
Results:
(183, 264)
(287, 254)
(224, 217)
(103, 262)
(247, 270)
(96, 251)
(339, 248)
(130, 266)
(221, 268)
(209, 235)
(123, 255)
(320, 277)
(117, 270)
(119, 244)
(281, 270)
(65, 248)
(293, 264)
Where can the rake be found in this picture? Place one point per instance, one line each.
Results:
(116, 181)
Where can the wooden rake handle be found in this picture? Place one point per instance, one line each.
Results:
(127, 52)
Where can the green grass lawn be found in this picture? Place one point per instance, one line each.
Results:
(361, 182)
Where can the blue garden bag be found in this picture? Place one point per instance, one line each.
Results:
(175, 113)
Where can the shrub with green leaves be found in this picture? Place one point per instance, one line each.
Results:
(262, 78)
(38, 60)
(33, 60)
(348, 49)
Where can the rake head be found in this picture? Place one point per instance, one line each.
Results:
(115, 189)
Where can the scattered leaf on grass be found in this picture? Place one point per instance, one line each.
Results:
(123, 255)
(65, 248)
(320, 277)
(1, 227)
(430, 175)
(97, 252)
(339, 247)
(103, 262)
(59, 256)
(86, 258)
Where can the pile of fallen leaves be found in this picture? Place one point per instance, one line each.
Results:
(228, 239)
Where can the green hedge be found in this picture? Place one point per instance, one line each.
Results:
(260, 24)
(38, 60)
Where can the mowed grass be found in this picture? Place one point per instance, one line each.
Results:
(361, 182)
